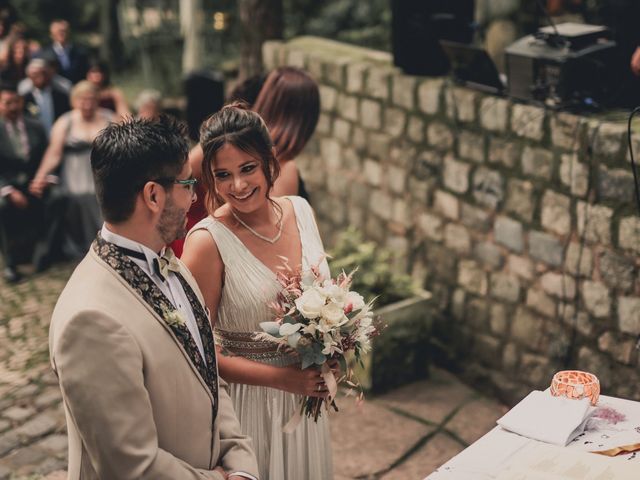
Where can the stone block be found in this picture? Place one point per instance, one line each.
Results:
(358, 138)
(541, 302)
(342, 131)
(520, 199)
(295, 58)
(401, 213)
(609, 138)
(447, 204)
(355, 77)
(431, 226)
(347, 107)
(335, 71)
(503, 152)
(487, 350)
(471, 146)
(616, 270)
(510, 357)
(442, 263)
(488, 187)
(270, 53)
(415, 129)
(574, 174)
(566, 130)
(376, 228)
(397, 179)
(351, 160)
(556, 212)
(456, 175)
(377, 83)
(520, 266)
(594, 362)
(328, 98)
(324, 124)
(381, 204)
(629, 315)
(537, 162)
(456, 237)
(498, 319)
(594, 222)
(528, 121)
(472, 278)
(403, 154)
(439, 136)
(458, 307)
(37, 426)
(505, 287)
(488, 254)
(477, 315)
(494, 112)
(579, 260)
(622, 351)
(596, 298)
(429, 92)
(315, 66)
(629, 234)
(527, 328)
(475, 218)
(403, 91)
(615, 184)
(394, 121)
(370, 114)
(331, 153)
(420, 190)
(545, 248)
(536, 369)
(508, 232)
(558, 285)
(379, 145)
(461, 104)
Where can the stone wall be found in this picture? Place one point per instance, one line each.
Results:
(520, 220)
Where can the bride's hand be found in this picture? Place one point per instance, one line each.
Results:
(306, 382)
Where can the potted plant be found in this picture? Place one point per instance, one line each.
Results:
(400, 354)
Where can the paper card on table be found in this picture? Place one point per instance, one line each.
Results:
(548, 462)
(541, 416)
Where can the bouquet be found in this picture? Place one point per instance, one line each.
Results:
(321, 320)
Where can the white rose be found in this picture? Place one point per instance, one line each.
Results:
(310, 303)
(335, 293)
(333, 313)
(355, 300)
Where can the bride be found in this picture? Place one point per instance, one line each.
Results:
(234, 255)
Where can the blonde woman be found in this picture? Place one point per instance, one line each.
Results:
(68, 156)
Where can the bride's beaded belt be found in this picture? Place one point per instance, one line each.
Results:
(244, 345)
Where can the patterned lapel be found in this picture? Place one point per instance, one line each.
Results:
(142, 284)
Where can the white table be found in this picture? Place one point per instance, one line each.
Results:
(487, 457)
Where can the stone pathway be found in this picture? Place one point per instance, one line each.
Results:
(404, 434)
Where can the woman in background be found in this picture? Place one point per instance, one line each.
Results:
(109, 97)
(289, 103)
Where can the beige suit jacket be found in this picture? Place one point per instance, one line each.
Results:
(136, 406)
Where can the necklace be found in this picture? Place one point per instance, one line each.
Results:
(260, 236)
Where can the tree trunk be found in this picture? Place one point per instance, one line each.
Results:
(261, 20)
(191, 20)
(111, 48)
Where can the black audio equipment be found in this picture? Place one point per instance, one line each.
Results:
(472, 67)
(567, 65)
(418, 25)
(204, 91)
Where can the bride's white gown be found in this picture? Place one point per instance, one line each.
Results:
(249, 288)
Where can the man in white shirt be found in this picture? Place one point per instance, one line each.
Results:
(130, 338)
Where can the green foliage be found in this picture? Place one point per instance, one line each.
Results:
(375, 276)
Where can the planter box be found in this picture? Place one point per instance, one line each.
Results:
(400, 355)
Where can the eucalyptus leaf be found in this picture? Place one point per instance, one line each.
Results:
(272, 328)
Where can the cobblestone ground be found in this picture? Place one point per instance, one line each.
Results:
(405, 434)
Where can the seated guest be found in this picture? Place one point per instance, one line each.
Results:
(72, 58)
(109, 97)
(70, 150)
(22, 144)
(149, 104)
(45, 101)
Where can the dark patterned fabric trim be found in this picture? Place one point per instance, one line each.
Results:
(144, 286)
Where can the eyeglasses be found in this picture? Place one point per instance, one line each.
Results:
(190, 183)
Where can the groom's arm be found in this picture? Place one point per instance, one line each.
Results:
(236, 452)
(100, 370)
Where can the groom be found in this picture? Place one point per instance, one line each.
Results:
(130, 340)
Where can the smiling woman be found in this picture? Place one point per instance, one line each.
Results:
(235, 255)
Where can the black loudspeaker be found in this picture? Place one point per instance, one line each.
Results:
(204, 91)
(417, 26)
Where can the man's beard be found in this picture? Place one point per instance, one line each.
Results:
(171, 225)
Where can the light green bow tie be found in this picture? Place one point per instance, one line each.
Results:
(165, 263)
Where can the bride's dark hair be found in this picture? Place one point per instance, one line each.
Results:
(236, 125)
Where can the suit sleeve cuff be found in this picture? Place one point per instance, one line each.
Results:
(243, 474)
(6, 190)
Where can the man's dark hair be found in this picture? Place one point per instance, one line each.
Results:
(127, 155)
